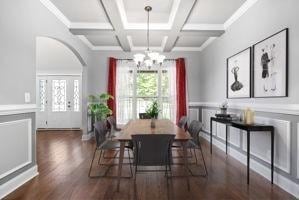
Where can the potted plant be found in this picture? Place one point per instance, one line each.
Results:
(153, 111)
(98, 106)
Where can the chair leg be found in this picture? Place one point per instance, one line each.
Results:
(92, 162)
(130, 163)
(195, 156)
(203, 159)
(99, 161)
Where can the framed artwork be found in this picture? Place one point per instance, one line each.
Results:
(239, 75)
(270, 71)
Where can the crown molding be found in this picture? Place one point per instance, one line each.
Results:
(236, 15)
(200, 27)
(88, 25)
(53, 9)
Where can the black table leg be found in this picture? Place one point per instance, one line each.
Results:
(248, 156)
(211, 134)
(226, 128)
(272, 155)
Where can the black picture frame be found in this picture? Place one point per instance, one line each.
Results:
(286, 30)
(249, 78)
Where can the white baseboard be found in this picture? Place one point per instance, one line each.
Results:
(279, 180)
(87, 136)
(17, 181)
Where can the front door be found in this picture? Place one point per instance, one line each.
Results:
(59, 102)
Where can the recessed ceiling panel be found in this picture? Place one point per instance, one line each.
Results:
(98, 40)
(139, 38)
(213, 11)
(190, 41)
(136, 14)
(82, 10)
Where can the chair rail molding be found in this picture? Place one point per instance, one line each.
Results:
(298, 150)
(291, 109)
(12, 109)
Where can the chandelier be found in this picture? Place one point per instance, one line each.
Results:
(149, 58)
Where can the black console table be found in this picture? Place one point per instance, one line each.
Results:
(248, 128)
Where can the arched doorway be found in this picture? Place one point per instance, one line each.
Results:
(59, 85)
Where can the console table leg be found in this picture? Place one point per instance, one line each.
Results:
(248, 156)
(211, 134)
(272, 155)
(226, 128)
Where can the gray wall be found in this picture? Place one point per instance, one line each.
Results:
(265, 18)
(97, 73)
(20, 23)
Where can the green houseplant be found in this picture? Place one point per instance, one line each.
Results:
(98, 106)
(153, 111)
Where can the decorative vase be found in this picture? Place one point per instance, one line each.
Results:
(223, 111)
(153, 123)
(248, 116)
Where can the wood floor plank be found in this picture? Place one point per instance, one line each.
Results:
(63, 163)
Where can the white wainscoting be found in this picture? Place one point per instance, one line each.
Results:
(260, 143)
(219, 129)
(15, 145)
(206, 115)
(193, 114)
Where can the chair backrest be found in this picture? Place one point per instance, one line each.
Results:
(183, 122)
(112, 122)
(144, 116)
(100, 130)
(194, 128)
(152, 149)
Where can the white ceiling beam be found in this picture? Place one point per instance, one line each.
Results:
(91, 31)
(179, 19)
(202, 33)
(116, 22)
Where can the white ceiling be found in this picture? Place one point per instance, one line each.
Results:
(121, 24)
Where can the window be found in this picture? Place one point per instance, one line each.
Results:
(42, 95)
(76, 96)
(58, 95)
(137, 89)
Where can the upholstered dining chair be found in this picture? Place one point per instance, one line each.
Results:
(104, 144)
(152, 150)
(183, 122)
(144, 116)
(194, 144)
(114, 130)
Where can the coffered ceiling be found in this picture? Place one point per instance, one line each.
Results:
(175, 25)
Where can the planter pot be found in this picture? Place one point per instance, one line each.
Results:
(153, 123)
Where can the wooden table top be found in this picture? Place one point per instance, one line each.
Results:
(143, 126)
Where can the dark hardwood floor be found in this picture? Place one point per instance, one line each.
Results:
(64, 160)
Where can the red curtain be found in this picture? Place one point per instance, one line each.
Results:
(111, 84)
(181, 88)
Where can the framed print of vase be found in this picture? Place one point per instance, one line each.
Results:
(270, 72)
(239, 75)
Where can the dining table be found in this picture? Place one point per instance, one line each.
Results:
(143, 126)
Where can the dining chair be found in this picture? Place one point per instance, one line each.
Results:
(194, 144)
(152, 150)
(144, 116)
(114, 130)
(183, 122)
(103, 144)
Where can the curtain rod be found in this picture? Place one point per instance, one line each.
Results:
(132, 59)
